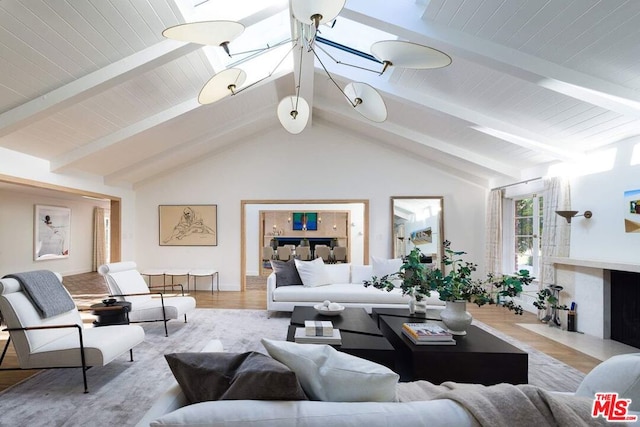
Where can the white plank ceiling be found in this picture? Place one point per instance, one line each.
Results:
(93, 86)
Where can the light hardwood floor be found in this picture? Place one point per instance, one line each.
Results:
(89, 287)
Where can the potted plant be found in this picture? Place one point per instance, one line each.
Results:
(456, 286)
(413, 281)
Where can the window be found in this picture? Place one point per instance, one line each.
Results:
(527, 233)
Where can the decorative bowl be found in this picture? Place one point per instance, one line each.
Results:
(109, 301)
(325, 311)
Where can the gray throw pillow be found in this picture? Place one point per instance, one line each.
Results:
(286, 273)
(233, 376)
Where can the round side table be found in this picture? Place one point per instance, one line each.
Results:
(113, 314)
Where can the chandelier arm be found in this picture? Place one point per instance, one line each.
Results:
(307, 42)
(270, 74)
(346, 63)
(258, 53)
(264, 49)
(332, 80)
(299, 79)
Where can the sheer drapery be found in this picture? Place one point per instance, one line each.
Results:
(556, 232)
(99, 239)
(493, 246)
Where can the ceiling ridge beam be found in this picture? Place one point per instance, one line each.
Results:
(93, 83)
(68, 159)
(405, 20)
(427, 141)
(501, 129)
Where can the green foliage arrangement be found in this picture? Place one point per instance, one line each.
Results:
(458, 284)
(413, 276)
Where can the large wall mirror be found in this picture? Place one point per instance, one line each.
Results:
(418, 222)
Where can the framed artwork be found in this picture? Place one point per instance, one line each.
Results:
(632, 211)
(305, 221)
(419, 237)
(188, 225)
(52, 232)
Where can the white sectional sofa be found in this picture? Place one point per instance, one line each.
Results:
(619, 374)
(172, 409)
(345, 288)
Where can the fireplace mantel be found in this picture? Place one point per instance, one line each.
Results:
(602, 264)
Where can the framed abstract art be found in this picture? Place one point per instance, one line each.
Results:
(188, 225)
(52, 232)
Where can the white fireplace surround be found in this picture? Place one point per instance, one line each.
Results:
(587, 283)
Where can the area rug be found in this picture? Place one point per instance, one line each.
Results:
(121, 392)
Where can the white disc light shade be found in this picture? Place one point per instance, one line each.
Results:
(293, 122)
(409, 55)
(370, 104)
(222, 84)
(205, 32)
(303, 10)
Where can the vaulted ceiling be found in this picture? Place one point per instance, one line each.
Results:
(93, 87)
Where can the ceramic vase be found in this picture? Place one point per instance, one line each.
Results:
(416, 306)
(456, 317)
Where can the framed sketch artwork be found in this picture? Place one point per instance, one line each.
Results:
(52, 232)
(188, 225)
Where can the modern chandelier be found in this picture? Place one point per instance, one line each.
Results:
(293, 110)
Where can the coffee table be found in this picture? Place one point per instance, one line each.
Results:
(477, 357)
(360, 335)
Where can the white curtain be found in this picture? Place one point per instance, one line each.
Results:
(493, 246)
(556, 232)
(99, 239)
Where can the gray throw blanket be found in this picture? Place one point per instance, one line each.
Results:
(45, 292)
(506, 404)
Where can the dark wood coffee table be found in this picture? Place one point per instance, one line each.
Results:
(477, 357)
(360, 335)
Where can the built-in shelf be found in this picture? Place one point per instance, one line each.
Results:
(603, 264)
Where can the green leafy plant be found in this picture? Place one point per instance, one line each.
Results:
(545, 296)
(412, 275)
(458, 282)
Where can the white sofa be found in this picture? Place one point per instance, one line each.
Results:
(171, 408)
(619, 374)
(346, 288)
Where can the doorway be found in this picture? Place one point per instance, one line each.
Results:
(254, 230)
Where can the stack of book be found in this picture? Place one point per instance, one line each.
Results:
(318, 332)
(427, 334)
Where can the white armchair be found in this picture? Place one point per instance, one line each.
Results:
(127, 284)
(59, 341)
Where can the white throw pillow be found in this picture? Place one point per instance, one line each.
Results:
(618, 374)
(313, 273)
(383, 267)
(360, 273)
(329, 375)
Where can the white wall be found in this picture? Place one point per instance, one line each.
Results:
(320, 163)
(31, 168)
(603, 237)
(17, 229)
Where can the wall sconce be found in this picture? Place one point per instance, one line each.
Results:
(570, 214)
